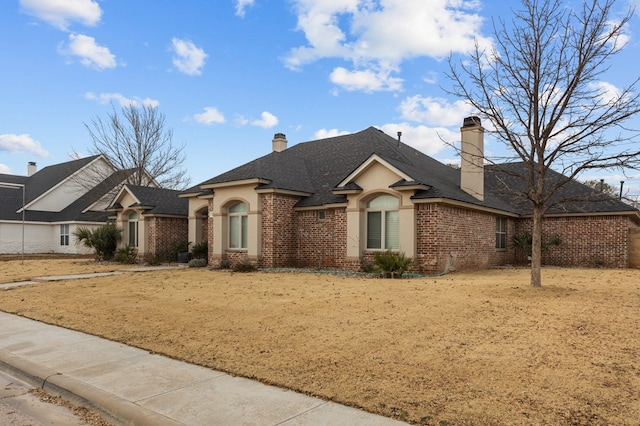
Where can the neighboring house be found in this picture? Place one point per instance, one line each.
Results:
(58, 199)
(334, 203)
(153, 220)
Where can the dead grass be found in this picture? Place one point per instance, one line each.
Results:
(466, 348)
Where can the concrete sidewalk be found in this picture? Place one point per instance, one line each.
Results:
(130, 386)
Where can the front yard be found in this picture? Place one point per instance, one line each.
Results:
(465, 348)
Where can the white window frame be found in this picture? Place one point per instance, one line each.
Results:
(64, 234)
(501, 233)
(132, 228)
(385, 215)
(238, 218)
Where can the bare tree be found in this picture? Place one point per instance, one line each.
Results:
(138, 140)
(540, 87)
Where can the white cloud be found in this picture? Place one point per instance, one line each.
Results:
(61, 13)
(380, 35)
(329, 133)
(434, 111)
(365, 80)
(266, 121)
(607, 92)
(4, 169)
(24, 143)
(209, 116)
(123, 101)
(241, 5)
(429, 140)
(90, 54)
(188, 57)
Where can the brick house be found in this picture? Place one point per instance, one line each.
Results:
(333, 203)
(152, 219)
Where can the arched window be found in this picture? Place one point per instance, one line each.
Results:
(238, 226)
(133, 229)
(383, 224)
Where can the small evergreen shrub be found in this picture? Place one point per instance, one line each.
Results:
(177, 248)
(197, 263)
(392, 264)
(126, 254)
(200, 250)
(103, 240)
(245, 266)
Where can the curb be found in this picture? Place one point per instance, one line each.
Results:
(112, 408)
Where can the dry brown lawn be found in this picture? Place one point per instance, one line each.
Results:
(466, 348)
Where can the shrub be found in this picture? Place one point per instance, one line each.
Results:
(200, 250)
(197, 263)
(392, 264)
(126, 254)
(103, 240)
(524, 240)
(178, 247)
(245, 266)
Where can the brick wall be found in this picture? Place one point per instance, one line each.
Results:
(467, 237)
(278, 231)
(585, 240)
(163, 232)
(322, 243)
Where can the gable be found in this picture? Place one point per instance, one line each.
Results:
(375, 173)
(68, 184)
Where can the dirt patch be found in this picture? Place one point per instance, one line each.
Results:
(466, 348)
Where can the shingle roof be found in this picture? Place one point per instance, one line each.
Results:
(317, 167)
(161, 201)
(45, 179)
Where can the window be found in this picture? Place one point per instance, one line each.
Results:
(238, 226)
(64, 235)
(133, 229)
(501, 232)
(383, 223)
(321, 215)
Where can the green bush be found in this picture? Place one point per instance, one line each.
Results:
(178, 247)
(126, 254)
(245, 266)
(103, 240)
(392, 264)
(197, 263)
(200, 250)
(524, 241)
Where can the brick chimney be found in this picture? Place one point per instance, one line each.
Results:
(279, 142)
(472, 157)
(32, 168)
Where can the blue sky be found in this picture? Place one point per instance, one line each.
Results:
(228, 74)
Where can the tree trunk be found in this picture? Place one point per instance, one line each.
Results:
(536, 247)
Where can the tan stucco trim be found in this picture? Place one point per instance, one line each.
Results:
(364, 166)
(282, 191)
(180, 216)
(417, 187)
(235, 183)
(322, 207)
(346, 191)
